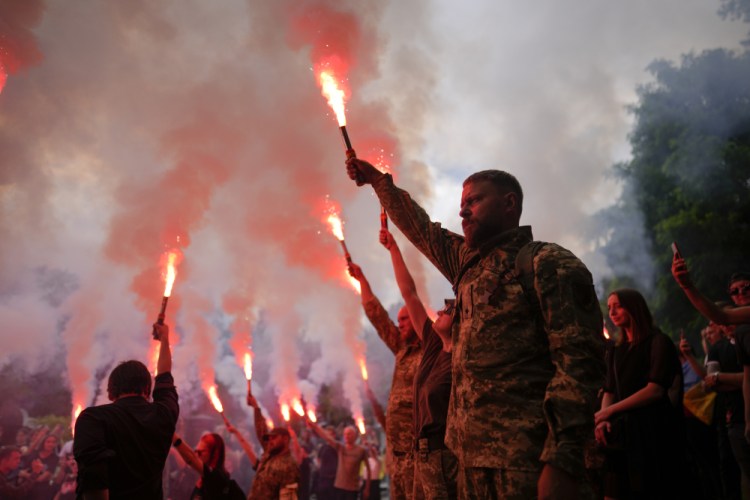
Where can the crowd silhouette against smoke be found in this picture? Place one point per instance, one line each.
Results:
(132, 129)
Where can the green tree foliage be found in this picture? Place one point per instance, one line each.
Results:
(689, 177)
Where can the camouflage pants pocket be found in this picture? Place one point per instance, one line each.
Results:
(435, 478)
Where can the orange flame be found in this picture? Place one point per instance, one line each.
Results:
(333, 93)
(311, 415)
(605, 332)
(285, 411)
(297, 406)
(337, 227)
(170, 272)
(77, 411)
(361, 425)
(353, 282)
(215, 399)
(363, 368)
(153, 356)
(3, 76)
(248, 366)
(269, 423)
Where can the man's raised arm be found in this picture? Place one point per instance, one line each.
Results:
(164, 363)
(375, 312)
(446, 250)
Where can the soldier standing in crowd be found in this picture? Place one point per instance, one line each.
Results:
(276, 472)
(527, 346)
(403, 341)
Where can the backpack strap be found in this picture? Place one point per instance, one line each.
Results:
(525, 272)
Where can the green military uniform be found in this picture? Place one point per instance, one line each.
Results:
(523, 390)
(273, 474)
(400, 409)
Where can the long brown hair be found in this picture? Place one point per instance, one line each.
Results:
(216, 451)
(641, 321)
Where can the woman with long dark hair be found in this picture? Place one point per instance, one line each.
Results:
(640, 420)
(208, 460)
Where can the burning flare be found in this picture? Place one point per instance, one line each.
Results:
(297, 407)
(353, 282)
(3, 76)
(215, 399)
(248, 366)
(170, 271)
(333, 93)
(361, 425)
(285, 411)
(269, 423)
(363, 369)
(76, 412)
(311, 415)
(337, 227)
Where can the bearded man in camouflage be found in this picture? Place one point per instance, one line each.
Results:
(526, 364)
(402, 340)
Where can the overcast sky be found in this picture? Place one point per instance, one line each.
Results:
(127, 128)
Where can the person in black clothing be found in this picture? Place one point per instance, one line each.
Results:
(121, 447)
(208, 460)
(328, 462)
(435, 467)
(641, 369)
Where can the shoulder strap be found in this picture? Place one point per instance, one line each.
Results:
(525, 271)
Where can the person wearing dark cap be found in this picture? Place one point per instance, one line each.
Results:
(276, 472)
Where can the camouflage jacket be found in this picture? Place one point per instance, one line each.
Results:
(274, 472)
(400, 410)
(524, 381)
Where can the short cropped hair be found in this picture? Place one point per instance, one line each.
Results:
(503, 181)
(129, 377)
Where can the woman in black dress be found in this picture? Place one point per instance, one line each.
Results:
(640, 420)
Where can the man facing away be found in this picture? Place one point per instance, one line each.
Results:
(121, 447)
(403, 341)
(526, 363)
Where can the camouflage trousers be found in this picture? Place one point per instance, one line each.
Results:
(435, 475)
(402, 476)
(483, 484)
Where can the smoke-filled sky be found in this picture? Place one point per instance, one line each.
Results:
(131, 128)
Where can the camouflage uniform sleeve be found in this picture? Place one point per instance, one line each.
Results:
(573, 322)
(261, 428)
(379, 318)
(445, 249)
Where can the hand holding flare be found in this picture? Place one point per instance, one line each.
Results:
(335, 95)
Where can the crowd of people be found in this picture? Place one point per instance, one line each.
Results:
(511, 392)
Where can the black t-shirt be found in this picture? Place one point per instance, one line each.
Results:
(432, 386)
(728, 403)
(742, 338)
(216, 484)
(654, 359)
